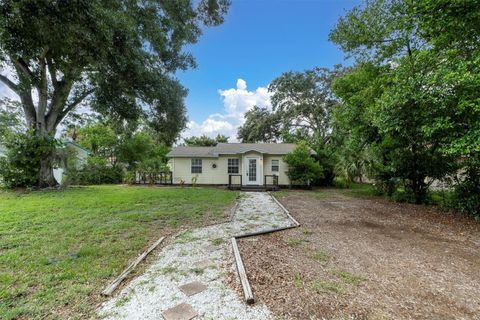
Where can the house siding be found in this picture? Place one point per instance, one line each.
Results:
(282, 170)
(181, 169)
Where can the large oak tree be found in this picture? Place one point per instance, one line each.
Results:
(118, 56)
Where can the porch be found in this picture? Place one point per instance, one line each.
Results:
(270, 183)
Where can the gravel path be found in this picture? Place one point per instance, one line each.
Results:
(200, 255)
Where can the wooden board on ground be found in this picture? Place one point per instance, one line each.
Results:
(247, 290)
(112, 286)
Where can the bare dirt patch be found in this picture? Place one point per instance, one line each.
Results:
(366, 259)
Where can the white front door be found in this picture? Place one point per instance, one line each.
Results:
(252, 171)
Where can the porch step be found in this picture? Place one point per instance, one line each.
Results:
(253, 188)
(259, 188)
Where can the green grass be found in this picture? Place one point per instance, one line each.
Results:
(197, 270)
(186, 237)
(169, 270)
(217, 241)
(319, 194)
(321, 256)
(321, 286)
(350, 278)
(297, 280)
(358, 190)
(58, 249)
(354, 189)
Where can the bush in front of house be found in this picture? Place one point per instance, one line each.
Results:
(302, 167)
(96, 171)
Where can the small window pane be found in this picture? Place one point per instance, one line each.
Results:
(233, 165)
(196, 165)
(275, 165)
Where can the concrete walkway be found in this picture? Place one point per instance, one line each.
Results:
(188, 278)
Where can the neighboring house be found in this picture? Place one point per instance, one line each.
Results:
(81, 155)
(214, 165)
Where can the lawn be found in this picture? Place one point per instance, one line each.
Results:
(59, 248)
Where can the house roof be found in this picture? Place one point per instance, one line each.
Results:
(232, 148)
(182, 151)
(76, 145)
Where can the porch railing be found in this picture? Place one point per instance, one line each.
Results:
(270, 181)
(235, 181)
(149, 177)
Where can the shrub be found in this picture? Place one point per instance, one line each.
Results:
(130, 177)
(466, 194)
(21, 167)
(327, 166)
(96, 171)
(302, 167)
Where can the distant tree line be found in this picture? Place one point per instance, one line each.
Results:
(205, 141)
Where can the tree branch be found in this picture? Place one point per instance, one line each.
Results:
(78, 100)
(9, 83)
(28, 107)
(53, 72)
(42, 92)
(23, 66)
(70, 106)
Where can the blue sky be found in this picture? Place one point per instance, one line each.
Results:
(257, 42)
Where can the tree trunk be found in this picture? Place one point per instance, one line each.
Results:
(46, 178)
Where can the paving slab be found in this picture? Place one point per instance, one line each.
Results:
(212, 248)
(182, 311)
(193, 288)
(205, 263)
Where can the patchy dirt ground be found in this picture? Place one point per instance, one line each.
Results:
(366, 259)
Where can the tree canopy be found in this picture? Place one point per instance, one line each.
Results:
(118, 57)
(304, 103)
(261, 125)
(410, 98)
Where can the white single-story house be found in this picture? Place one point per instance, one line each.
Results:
(245, 164)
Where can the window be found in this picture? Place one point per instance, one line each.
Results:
(233, 165)
(196, 165)
(275, 165)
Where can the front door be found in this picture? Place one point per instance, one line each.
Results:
(252, 171)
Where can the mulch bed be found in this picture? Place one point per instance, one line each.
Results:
(367, 259)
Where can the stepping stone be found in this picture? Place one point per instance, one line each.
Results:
(205, 263)
(181, 312)
(193, 288)
(212, 248)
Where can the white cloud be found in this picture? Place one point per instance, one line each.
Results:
(236, 102)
